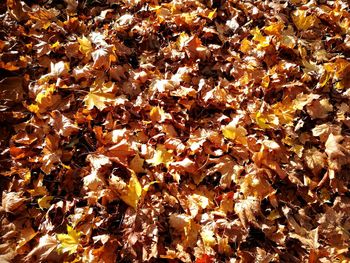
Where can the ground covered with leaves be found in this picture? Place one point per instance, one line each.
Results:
(174, 131)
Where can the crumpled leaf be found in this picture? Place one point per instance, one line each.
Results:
(45, 250)
(337, 154)
(63, 125)
(12, 201)
(95, 179)
(101, 58)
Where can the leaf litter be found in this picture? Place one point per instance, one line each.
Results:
(174, 131)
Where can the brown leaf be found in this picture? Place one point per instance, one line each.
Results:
(11, 201)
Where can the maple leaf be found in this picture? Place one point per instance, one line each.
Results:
(302, 20)
(235, 133)
(12, 201)
(315, 160)
(274, 28)
(186, 165)
(247, 210)
(59, 68)
(157, 114)
(46, 246)
(132, 194)
(71, 6)
(69, 242)
(95, 179)
(63, 125)
(99, 100)
(260, 39)
(85, 46)
(228, 168)
(27, 234)
(187, 226)
(136, 164)
(337, 153)
(161, 156)
(44, 202)
(101, 58)
(208, 237)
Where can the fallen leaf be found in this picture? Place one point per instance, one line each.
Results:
(132, 194)
(68, 243)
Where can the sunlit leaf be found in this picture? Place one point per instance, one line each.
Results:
(133, 192)
(161, 156)
(302, 20)
(68, 243)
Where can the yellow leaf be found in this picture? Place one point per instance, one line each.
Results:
(303, 21)
(55, 45)
(44, 202)
(68, 242)
(262, 121)
(146, 188)
(33, 108)
(245, 45)
(208, 238)
(212, 14)
(157, 114)
(274, 29)
(85, 46)
(99, 100)
(161, 156)
(45, 93)
(133, 192)
(265, 81)
(236, 133)
(258, 37)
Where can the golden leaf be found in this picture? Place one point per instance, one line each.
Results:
(133, 193)
(303, 21)
(161, 156)
(245, 45)
(208, 237)
(235, 133)
(274, 29)
(99, 100)
(157, 114)
(85, 46)
(262, 121)
(69, 242)
(260, 39)
(212, 14)
(44, 202)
